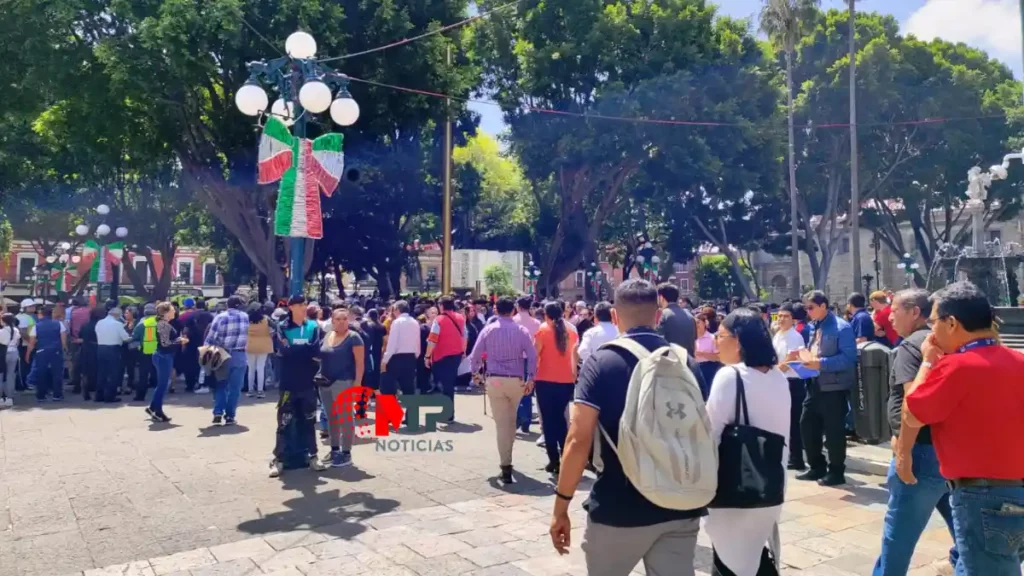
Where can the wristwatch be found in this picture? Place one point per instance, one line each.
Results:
(926, 365)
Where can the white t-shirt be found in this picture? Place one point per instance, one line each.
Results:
(786, 342)
(32, 330)
(9, 338)
(738, 535)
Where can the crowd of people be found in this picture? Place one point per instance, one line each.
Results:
(955, 404)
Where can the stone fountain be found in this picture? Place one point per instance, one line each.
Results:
(992, 266)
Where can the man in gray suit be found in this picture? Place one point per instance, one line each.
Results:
(677, 324)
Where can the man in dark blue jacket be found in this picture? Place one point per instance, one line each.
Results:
(299, 340)
(833, 352)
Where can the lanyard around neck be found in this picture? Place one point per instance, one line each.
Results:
(979, 343)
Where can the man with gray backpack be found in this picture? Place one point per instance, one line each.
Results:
(640, 398)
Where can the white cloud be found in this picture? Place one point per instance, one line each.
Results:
(992, 25)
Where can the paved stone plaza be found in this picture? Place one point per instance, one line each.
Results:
(101, 490)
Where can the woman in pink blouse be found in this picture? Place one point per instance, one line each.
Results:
(707, 348)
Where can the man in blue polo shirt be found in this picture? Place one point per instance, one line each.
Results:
(48, 338)
(861, 322)
(623, 527)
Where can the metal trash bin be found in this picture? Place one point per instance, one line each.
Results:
(871, 394)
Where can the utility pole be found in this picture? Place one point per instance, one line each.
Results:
(446, 250)
(854, 164)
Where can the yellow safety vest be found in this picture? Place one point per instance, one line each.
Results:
(149, 342)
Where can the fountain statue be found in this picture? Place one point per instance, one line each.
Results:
(992, 266)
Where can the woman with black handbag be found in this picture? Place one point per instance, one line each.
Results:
(749, 412)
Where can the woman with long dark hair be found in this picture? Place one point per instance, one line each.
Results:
(10, 339)
(556, 377)
(739, 536)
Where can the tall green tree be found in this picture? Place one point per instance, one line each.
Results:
(784, 21)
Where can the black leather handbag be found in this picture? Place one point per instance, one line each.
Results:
(751, 471)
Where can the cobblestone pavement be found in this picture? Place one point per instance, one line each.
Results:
(101, 490)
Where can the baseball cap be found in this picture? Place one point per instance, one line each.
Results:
(189, 303)
(296, 299)
(149, 309)
(27, 303)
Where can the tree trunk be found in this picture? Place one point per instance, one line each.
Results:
(794, 220)
(337, 280)
(162, 287)
(261, 287)
(133, 275)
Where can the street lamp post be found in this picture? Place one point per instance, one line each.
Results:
(649, 261)
(909, 267)
(304, 167)
(595, 275)
(104, 252)
(532, 276)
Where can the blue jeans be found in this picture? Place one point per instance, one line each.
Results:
(163, 363)
(910, 508)
(989, 526)
(225, 397)
(524, 414)
(47, 373)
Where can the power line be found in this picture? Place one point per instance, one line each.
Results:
(441, 30)
(670, 122)
(257, 32)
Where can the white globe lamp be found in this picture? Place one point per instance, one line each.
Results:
(531, 262)
(63, 258)
(76, 259)
(121, 232)
(640, 259)
(51, 259)
(81, 229)
(300, 45)
(65, 246)
(103, 209)
(251, 99)
(285, 111)
(655, 260)
(345, 111)
(102, 230)
(315, 96)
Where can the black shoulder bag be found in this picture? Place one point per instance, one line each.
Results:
(751, 473)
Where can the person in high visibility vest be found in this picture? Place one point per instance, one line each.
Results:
(145, 335)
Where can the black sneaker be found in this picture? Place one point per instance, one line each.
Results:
(506, 475)
(811, 475)
(798, 466)
(163, 417)
(216, 419)
(832, 480)
(552, 468)
(152, 414)
(229, 421)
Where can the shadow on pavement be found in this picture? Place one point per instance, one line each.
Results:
(332, 513)
(214, 430)
(162, 426)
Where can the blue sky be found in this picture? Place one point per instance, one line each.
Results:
(992, 25)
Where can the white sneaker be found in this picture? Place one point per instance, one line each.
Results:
(202, 390)
(540, 441)
(9, 402)
(316, 465)
(276, 467)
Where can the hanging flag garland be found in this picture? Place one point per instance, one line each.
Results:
(304, 167)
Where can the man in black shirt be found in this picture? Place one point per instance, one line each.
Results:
(623, 527)
(910, 504)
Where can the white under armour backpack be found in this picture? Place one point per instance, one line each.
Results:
(665, 441)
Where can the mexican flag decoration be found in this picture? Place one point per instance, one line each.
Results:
(304, 167)
(63, 277)
(101, 257)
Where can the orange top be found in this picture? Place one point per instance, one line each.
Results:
(552, 365)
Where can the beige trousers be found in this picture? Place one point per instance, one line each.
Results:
(505, 394)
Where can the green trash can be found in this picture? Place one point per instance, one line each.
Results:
(871, 394)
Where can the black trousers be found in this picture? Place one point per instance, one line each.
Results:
(147, 376)
(300, 408)
(767, 567)
(400, 375)
(190, 367)
(824, 415)
(129, 361)
(444, 372)
(553, 398)
(108, 373)
(797, 393)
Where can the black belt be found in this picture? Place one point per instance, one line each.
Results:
(984, 483)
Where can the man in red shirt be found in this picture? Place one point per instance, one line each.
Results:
(881, 313)
(970, 391)
(446, 345)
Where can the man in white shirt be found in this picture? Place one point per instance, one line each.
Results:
(110, 335)
(787, 343)
(26, 320)
(597, 336)
(398, 365)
